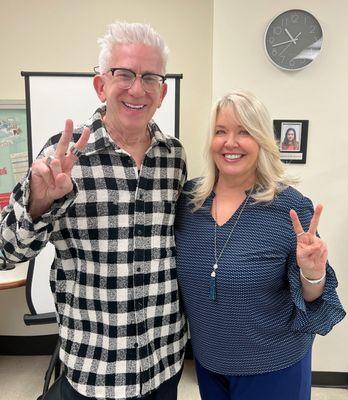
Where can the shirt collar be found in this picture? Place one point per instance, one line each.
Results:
(158, 137)
(100, 139)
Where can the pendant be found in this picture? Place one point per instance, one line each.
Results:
(212, 288)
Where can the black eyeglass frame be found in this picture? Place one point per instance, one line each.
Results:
(112, 70)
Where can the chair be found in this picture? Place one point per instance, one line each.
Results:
(41, 304)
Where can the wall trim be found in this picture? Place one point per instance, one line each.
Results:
(28, 345)
(330, 379)
(45, 345)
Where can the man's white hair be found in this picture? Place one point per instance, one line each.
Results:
(121, 32)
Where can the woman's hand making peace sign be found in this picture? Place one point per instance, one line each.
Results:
(51, 176)
(311, 252)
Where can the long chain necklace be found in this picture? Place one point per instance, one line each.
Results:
(212, 289)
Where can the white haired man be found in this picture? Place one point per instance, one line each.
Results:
(107, 204)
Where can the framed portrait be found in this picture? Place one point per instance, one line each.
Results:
(291, 135)
(13, 146)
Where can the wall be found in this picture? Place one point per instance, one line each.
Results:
(61, 35)
(317, 93)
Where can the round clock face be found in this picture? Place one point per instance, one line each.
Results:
(293, 39)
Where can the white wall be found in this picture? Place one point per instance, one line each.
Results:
(318, 94)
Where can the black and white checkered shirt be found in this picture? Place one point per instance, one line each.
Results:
(114, 276)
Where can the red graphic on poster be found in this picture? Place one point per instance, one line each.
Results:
(4, 199)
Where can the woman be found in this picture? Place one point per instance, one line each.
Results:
(253, 274)
(290, 143)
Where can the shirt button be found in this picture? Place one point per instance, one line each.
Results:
(138, 269)
(139, 231)
(136, 345)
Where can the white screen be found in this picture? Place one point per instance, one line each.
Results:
(54, 98)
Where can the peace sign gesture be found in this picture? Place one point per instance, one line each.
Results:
(311, 251)
(51, 176)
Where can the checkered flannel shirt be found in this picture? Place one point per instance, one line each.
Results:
(114, 275)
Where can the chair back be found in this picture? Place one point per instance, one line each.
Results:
(38, 291)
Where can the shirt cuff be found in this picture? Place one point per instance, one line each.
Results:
(26, 227)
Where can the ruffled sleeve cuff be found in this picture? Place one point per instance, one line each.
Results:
(318, 316)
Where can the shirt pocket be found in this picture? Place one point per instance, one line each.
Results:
(162, 227)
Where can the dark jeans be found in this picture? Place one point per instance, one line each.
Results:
(168, 391)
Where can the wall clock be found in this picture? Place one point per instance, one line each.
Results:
(293, 39)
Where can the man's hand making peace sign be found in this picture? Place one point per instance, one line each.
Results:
(51, 176)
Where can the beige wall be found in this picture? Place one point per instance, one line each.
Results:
(61, 35)
(318, 94)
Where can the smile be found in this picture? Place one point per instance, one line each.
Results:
(134, 106)
(233, 156)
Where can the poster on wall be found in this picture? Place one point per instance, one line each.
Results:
(13, 146)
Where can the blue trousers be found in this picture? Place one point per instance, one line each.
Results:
(292, 383)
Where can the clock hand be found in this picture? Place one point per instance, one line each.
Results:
(288, 41)
(285, 48)
(291, 38)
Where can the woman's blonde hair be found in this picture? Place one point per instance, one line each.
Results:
(271, 177)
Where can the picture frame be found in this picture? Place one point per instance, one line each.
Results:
(13, 146)
(292, 136)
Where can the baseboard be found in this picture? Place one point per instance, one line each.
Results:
(330, 379)
(28, 345)
(45, 344)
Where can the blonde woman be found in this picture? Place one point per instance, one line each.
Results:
(254, 275)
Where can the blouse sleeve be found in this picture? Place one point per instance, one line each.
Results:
(326, 311)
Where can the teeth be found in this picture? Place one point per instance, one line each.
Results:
(233, 156)
(134, 106)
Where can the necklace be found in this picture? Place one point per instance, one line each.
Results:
(212, 288)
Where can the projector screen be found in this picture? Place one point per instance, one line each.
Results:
(51, 98)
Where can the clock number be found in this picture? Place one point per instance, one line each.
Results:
(283, 58)
(295, 18)
(284, 22)
(312, 29)
(277, 30)
(274, 52)
(291, 63)
(271, 39)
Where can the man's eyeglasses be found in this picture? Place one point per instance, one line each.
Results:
(125, 79)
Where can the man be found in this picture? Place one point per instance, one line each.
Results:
(107, 204)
